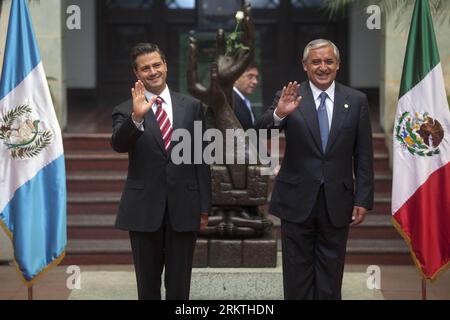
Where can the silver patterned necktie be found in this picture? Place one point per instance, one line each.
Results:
(322, 115)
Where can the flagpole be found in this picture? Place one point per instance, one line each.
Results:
(30, 293)
(424, 289)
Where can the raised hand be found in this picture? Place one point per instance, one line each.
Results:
(229, 66)
(140, 103)
(289, 100)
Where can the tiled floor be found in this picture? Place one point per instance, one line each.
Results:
(397, 283)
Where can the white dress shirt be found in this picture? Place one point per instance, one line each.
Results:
(167, 106)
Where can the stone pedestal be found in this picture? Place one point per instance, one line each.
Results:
(236, 253)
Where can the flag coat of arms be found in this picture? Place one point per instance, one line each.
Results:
(32, 169)
(421, 149)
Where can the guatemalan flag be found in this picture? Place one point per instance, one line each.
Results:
(421, 173)
(32, 170)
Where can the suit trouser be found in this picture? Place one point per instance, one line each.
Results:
(313, 255)
(164, 248)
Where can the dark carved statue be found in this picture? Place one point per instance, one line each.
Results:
(238, 189)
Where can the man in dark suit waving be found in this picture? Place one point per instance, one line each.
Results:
(163, 204)
(328, 141)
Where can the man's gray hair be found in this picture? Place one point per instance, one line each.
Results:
(319, 43)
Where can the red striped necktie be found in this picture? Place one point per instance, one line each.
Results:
(164, 123)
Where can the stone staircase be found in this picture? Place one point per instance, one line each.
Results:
(95, 178)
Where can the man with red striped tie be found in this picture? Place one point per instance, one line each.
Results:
(163, 205)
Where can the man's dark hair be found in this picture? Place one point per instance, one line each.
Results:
(252, 65)
(144, 48)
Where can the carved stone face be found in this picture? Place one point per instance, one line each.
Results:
(151, 69)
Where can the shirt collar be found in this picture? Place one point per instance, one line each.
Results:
(240, 94)
(316, 91)
(165, 95)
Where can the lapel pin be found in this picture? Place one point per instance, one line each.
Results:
(346, 106)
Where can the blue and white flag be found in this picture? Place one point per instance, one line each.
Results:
(32, 170)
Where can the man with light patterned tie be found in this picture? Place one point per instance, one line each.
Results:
(243, 87)
(163, 205)
(328, 141)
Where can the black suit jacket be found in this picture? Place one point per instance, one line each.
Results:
(349, 153)
(154, 182)
(242, 112)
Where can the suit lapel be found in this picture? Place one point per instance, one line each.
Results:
(309, 112)
(339, 114)
(178, 111)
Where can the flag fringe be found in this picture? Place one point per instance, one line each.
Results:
(407, 239)
(6, 229)
(30, 283)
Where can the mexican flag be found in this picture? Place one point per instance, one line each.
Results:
(421, 172)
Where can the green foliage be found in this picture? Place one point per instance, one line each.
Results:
(9, 117)
(233, 41)
(33, 150)
(439, 8)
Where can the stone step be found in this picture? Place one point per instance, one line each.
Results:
(91, 220)
(375, 226)
(380, 161)
(101, 141)
(96, 160)
(101, 226)
(86, 141)
(94, 202)
(88, 181)
(104, 161)
(382, 203)
(119, 246)
(113, 181)
(93, 226)
(383, 182)
(379, 142)
(107, 202)
(93, 168)
(118, 251)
